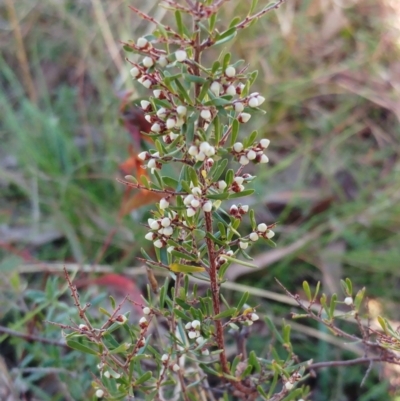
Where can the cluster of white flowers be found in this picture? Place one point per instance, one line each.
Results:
(254, 153)
(162, 229)
(193, 329)
(194, 201)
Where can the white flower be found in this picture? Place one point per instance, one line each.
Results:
(165, 357)
(195, 203)
(158, 244)
(230, 90)
(270, 234)
(244, 117)
(205, 352)
(156, 127)
(157, 93)
(146, 310)
(135, 72)
(206, 114)
(238, 147)
(154, 225)
(253, 237)
(207, 207)
(83, 327)
(168, 231)
(163, 204)
(171, 122)
(243, 160)
(151, 164)
(254, 317)
(144, 104)
(166, 222)
(161, 112)
(199, 340)
(149, 236)
(215, 88)
(248, 323)
(170, 249)
(288, 386)
(162, 61)
(188, 199)
(176, 367)
(348, 301)
(180, 55)
(241, 188)
(148, 118)
(200, 156)
(253, 102)
(230, 71)
(143, 155)
(193, 151)
(210, 151)
(99, 393)
(146, 83)
(188, 325)
(181, 110)
(261, 100)
(239, 180)
(142, 320)
(190, 212)
(141, 42)
(107, 374)
(243, 245)
(264, 143)
(204, 147)
(262, 227)
(245, 208)
(222, 185)
(251, 155)
(196, 191)
(239, 107)
(192, 335)
(264, 159)
(196, 324)
(148, 62)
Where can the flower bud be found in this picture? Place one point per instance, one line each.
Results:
(200, 156)
(243, 160)
(190, 212)
(348, 301)
(254, 317)
(162, 61)
(215, 88)
(168, 231)
(141, 43)
(207, 207)
(176, 367)
(157, 93)
(158, 244)
(270, 234)
(145, 104)
(171, 122)
(196, 191)
(180, 55)
(264, 143)
(230, 90)
(253, 237)
(288, 386)
(195, 203)
(193, 151)
(239, 107)
(156, 127)
(142, 320)
(222, 185)
(163, 204)
(154, 225)
(243, 245)
(161, 112)
(144, 156)
(260, 99)
(181, 110)
(206, 114)
(149, 236)
(238, 147)
(230, 71)
(165, 357)
(148, 62)
(99, 393)
(135, 72)
(196, 324)
(262, 227)
(251, 155)
(166, 222)
(264, 159)
(244, 117)
(146, 310)
(253, 102)
(239, 180)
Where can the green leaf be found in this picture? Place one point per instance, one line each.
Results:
(250, 140)
(227, 313)
(382, 322)
(359, 298)
(215, 67)
(332, 306)
(349, 286)
(170, 182)
(182, 255)
(234, 22)
(194, 79)
(193, 176)
(226, 61)
(246, 192)
(204, 91)
(222, 195)
(243, 300)
(183, 92)
(181, 315)
(229, 177)
(179, 268)
(252, 219)
(235, 131)
(104, 312)
(179, 22)
(211, 22)
(82, 348)
(127, 48)
(226, 36)
(146, 376)
(217, 169)
(240, 262)
(253, 6)
(182, 304)
(306, 288)
(253, 360)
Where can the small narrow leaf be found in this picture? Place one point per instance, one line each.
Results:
(306, 288)
(179, 268)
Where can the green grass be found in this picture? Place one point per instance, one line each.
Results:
(331, 117)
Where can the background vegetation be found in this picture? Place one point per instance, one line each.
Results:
(331, 76)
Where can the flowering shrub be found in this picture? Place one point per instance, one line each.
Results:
(179, 345)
